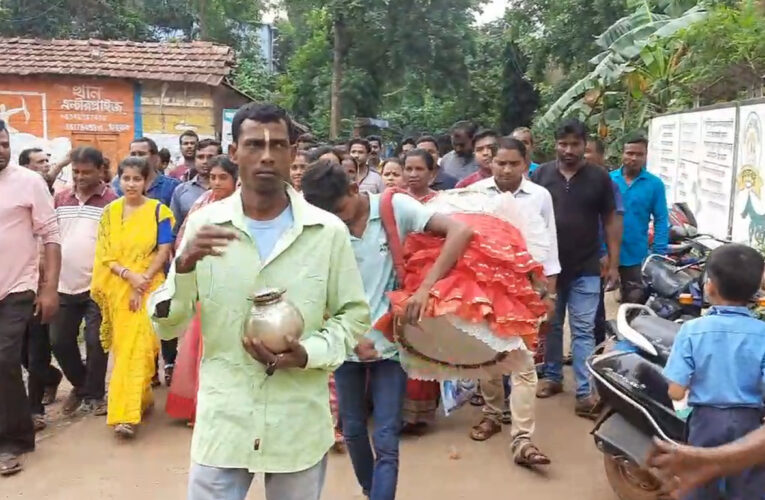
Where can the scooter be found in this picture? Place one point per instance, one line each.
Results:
(627, 372)
(628, 377)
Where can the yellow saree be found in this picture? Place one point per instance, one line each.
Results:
(132, 243)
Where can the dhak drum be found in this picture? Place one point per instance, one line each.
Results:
(449, 347)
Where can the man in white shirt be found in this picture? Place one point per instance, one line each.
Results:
(508, 169)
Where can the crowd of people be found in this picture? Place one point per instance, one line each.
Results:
(150, 251)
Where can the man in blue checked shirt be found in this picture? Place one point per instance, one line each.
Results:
(644, 198)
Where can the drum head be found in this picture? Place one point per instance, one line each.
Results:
(438, 341)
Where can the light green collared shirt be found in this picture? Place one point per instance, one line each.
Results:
(246, 419)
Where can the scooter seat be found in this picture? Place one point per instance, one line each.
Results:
(663, 277)
(660, 332)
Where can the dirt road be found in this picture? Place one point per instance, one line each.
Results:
(82, 460)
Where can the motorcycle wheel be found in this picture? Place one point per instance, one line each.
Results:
(629, 481)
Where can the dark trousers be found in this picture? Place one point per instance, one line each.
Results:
(36, 358)
(88, 378)
(169, 351)
(709, 427)
(17, 434)
(632, 288)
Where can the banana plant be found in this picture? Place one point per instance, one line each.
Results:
(624, 43)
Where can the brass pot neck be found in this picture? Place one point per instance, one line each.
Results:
(268, 297)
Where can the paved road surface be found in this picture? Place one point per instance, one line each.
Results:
(82, 460)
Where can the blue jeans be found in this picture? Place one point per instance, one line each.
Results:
(377, 473)
(218, 483)
(581, 297)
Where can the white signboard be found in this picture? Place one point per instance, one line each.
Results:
(716, 170)
(687, 178)
(663, 148)
(693, 154)
(226, 136)
(749, 196)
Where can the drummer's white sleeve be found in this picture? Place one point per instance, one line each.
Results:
(551, 264)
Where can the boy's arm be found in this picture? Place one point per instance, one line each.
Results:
(677, 391)
(414, 217)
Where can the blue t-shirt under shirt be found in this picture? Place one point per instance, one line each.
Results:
(266, 233)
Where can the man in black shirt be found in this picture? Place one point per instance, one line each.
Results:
(582, 195)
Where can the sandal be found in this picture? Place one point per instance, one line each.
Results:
(417, 429)
(526, 453)
(507, 417)
(548, 388)
(485, 429)
(477, 400)
(126, 431)
(9, 464)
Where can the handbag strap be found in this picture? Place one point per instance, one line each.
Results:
(388, 217)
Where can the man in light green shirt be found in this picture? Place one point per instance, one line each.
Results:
(264, 236)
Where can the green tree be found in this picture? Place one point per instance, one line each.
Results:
(389, 55)
(109, 19)
(631, 39)
(726, 54)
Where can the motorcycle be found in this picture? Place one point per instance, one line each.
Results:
(629, 380)
(675, 282)
(627, 372)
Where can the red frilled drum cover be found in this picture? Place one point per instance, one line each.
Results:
(485, 306)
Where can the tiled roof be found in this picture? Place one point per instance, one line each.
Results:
(193, 62)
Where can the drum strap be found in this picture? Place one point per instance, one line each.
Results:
(388, 217)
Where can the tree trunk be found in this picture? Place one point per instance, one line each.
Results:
(202, 19)
(338, 50)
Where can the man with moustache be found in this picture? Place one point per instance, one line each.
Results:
(509, 168)
(461, 161)
(582, 197)
(27, 218)
(485, 145)
(259, 411)
(188, 192)
(186, 170)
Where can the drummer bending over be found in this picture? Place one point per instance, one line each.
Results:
(508, 169)
(327, 186)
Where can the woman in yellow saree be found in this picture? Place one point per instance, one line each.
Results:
(134, 243)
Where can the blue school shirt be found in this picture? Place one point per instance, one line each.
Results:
(720, 358)
(644, 199)
(376, 263)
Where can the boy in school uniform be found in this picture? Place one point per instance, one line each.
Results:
(720, 360)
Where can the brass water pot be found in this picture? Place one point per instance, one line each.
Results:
(272, 319)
